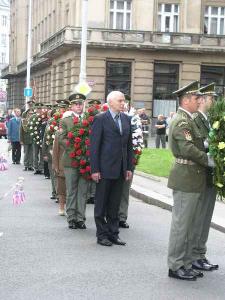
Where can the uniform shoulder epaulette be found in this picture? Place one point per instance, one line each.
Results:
(182, 123)
(67, 114)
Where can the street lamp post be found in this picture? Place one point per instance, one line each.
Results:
(83, 75)
(29, 54)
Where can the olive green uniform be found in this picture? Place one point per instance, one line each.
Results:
(76, 185)
(47, 151)
(26, 139)
(187, 179)
(205, 207)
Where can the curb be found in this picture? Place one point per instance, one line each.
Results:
(163, 205)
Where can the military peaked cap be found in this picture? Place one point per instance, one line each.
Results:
(76, 97)
(38, 105)
(62, 103)
(208, 89)
(192, 88)
(97, 102)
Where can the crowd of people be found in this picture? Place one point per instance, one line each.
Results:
(90, 151)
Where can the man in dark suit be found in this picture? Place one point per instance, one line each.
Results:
(14, 136)
(111, 164)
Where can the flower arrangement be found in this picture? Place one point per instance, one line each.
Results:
(34, 124)
(137, 138)
(78, 141)
(217, 144)
(53, 126)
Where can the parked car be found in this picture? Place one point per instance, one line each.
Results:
(2, 128)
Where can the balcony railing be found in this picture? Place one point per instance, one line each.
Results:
(134, 39)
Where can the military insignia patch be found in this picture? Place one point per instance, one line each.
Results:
(187, 135)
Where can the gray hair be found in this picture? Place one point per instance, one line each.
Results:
(112, 95)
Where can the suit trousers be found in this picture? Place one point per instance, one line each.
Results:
(37, 158)
(107, 203)
(202, 225)
(28, 155)
(181, 238)
(76, 195)
(123, 211)
(16, 152)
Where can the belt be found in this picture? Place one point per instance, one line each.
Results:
(183, 161)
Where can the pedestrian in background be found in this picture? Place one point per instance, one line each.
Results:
(14, 136)
(160, 132)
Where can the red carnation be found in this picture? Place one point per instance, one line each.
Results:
(81, 131)
(51, 128)
(87, 142)
(54, 123)
(70, 135)
(85, 123)
(74, 164)
(79, 152)
(82, 171)
(137, 151)
(91, 119)
(75, 120)
(72, 155)
(98, 106)
(67, 143)
(88, 152)
(88, 169)
(56, 117)
(91, 109)
(77, 146)
(82, 162)
(77, 139)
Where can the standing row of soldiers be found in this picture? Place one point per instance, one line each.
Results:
(68, 185)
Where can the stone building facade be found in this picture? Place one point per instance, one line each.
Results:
(144, 48)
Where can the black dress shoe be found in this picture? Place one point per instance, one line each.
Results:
(104, 242)
(72, 225)
(123, 224)
(25, 169)
(53, 197)
(195, 273)
(117, 241)
(30, 169)
(215, 267)
(37, 172)
(201, 265)
(81, 225)
(182, 274)
(17, 162)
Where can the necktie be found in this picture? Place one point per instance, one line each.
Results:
(116, 118)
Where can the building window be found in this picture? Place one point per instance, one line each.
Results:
(118, 77)
(120, 14)
(214, 20)
(3, 57)
(215, 74)
(3, 39)
(168, 17)
(4, 21)
(166, 81)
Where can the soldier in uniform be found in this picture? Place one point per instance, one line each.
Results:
(37, 148)
(187, 179)
(91, 183)
(76, 185)
(206, 206)
(25, 137)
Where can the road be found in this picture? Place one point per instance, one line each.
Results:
(40, 258)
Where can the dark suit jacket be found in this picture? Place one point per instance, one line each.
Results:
(111, 152)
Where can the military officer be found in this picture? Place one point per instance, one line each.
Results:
(206, 206)
(25, 137)
(76, 185)
(37, 148)
(187, 179)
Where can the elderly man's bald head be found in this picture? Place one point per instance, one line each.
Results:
(116, 101)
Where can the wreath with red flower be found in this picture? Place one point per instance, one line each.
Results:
(53, 126)
(78, 141)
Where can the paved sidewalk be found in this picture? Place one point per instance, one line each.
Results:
(153, 190)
